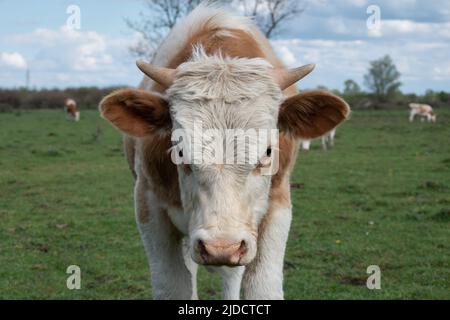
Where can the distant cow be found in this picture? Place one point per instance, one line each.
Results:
(327, 141)
(70, 108)
(423, 110)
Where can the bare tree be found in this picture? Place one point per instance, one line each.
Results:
(270, 15)
(161, 15)
(156, 21)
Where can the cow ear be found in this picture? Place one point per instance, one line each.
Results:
(312, 113)
(137, 113)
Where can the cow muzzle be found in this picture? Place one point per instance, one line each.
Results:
(222, 251)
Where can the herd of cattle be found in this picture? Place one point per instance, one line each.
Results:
(218, 68)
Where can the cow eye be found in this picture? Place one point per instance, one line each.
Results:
(266, 160)
(180, 153)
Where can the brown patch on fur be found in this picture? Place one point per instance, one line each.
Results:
(312, 113)
(228, 42)
(280, 190)
(129, 145)
(136, 112)
(422, 110)
(159, 169)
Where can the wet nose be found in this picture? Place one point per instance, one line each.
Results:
(221, 252)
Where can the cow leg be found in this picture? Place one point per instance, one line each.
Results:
(324, 142)
(231, 282)
(263, 278)
(411, 116)
(170, 277)
(331, 139)
(306, 144)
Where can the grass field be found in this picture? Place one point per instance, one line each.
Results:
(380, 197)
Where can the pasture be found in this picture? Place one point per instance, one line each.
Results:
(380, 197)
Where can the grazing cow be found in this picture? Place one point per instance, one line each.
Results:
(218, 70)
(422, 110)
(327, 141)
(70, 108)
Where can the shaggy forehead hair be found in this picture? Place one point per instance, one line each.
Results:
(224, 93)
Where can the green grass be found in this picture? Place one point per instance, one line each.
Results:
(380, 197)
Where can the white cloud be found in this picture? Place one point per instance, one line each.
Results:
(14, 60)
(408, 28)
(68, 57)
(441, 72)
(338, 25)
(286, 55)
(69, 48)
(357, 3)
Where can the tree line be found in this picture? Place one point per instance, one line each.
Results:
(89, 98)
(22, 98)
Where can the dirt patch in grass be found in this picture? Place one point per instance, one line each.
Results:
(433, 185)
(351, 280)
(441, 216)
(351, 188)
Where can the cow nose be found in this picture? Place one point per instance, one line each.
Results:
(221, 252)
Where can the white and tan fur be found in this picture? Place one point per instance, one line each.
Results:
(422, 110)
(177, 206)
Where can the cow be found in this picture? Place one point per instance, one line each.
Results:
(217, 69)
(423, 110)
(70, 109)
(327, 141)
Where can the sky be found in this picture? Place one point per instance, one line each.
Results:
(334, 35)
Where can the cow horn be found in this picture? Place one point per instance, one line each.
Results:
(163, 76)
(286, 78)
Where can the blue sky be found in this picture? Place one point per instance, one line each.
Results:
(332, 34)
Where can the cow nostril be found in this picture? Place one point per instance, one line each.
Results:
(201, 248)
(243, 248)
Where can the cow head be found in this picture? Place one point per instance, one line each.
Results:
(224, 197)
